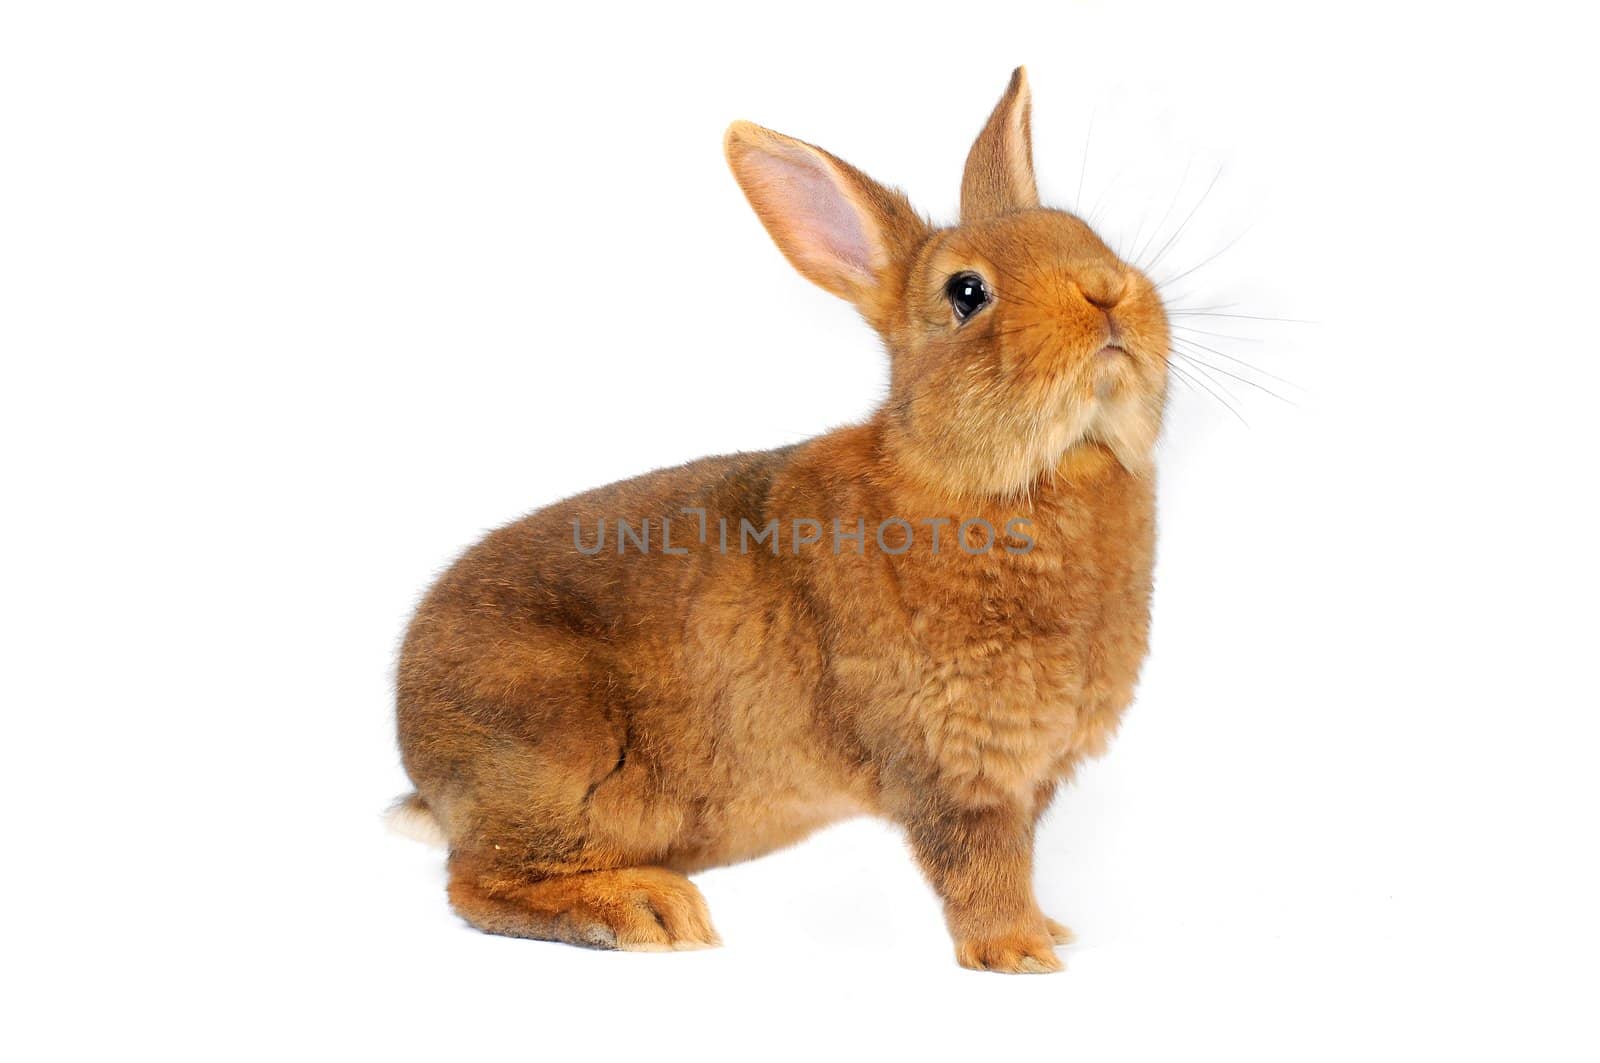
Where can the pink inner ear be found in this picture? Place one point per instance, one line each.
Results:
(821, 219)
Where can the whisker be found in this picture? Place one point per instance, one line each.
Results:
(1192, 381)
(1205, 262)
(1201, 370)
(1011, 296)
(1088, 219)
(1156, 232)
(1242, 379)
(1033, 259)
(1174, 308)
(1083, 169)
(1186, 220)
(1218, 335)
(1233, 358)
(1015, 331)
(1014, 296)
(1242, 317)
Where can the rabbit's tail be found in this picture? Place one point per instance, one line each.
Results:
(410, 817)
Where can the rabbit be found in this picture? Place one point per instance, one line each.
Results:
(931, 617)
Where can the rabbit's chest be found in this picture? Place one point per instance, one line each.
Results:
(1005, 716)
(1025, 669)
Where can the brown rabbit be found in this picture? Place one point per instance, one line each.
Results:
(930, 617)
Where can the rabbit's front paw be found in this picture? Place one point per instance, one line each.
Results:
(1018, 953)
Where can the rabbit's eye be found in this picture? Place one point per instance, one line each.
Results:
(967, 294)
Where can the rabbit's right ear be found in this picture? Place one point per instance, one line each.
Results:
(999, 175)
(837, 226)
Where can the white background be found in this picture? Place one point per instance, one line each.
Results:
(297, 299)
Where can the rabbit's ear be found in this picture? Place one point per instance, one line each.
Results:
(837, 226)
(999, 174)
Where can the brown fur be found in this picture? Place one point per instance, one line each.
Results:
(587, 729)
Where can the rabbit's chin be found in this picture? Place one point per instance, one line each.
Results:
(1124, 412)
(1113, 410)
(1122, 420)
(1112, 405)
(1128, 424)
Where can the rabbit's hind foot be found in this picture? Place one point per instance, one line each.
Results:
(639, 909)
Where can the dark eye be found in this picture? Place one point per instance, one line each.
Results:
(967, 294)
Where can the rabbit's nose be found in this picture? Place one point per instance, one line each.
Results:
(1103, 287)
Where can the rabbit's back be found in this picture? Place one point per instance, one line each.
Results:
(644, 699)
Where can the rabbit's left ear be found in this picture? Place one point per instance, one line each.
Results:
(841, 229)
(999, 174)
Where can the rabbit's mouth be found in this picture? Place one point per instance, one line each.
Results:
(1112, 363)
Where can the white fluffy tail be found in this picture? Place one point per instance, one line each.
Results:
(409, 817)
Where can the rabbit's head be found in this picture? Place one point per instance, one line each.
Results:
(1014, 336)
